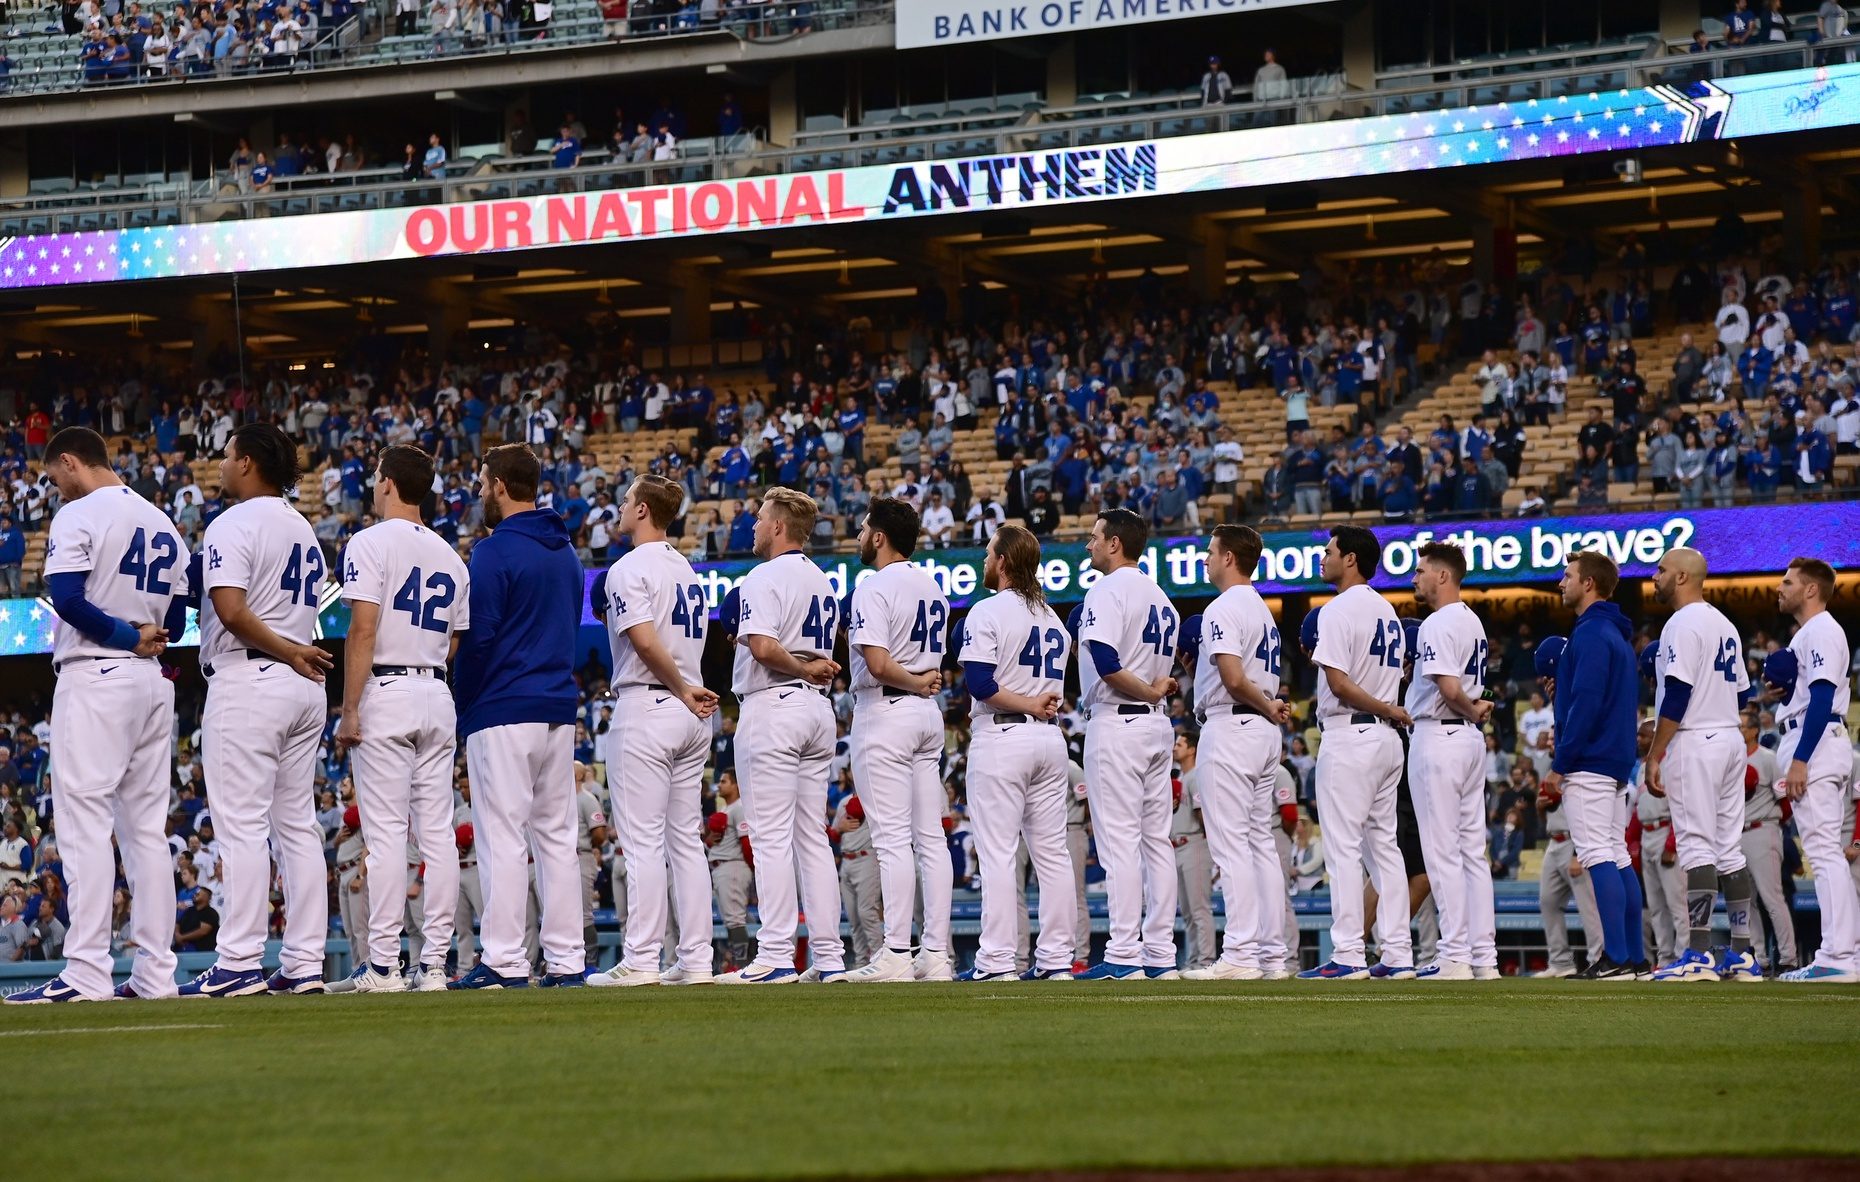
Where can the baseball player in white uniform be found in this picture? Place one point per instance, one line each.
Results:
(1701, 682)
(1014, 654)
(1820, 765)
(656, 615)
(1237, 676)
(1446, 767)
(261, 573)
(117, 573)
(1360, 649)
(1763, 854)
(784, 744)
(895, 644)
(1128, 631)
(730, 876)
(409, 598)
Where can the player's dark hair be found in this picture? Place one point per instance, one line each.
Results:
(662, 496)
(1358, 542)
(1599, 569)
(517, 466)
(271, 451)
(1445, 554)
(1019, 553)
(1813, 569)
(897, 521)
(1243, 542)
(80, 443)
(410, 469)
(1130, 531)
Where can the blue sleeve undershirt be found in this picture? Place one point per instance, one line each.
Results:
(1815, 722)
(1678, 696)
(176, 620)
(979, 676)
(67, 588)
(1104, 658)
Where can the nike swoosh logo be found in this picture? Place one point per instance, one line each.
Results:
(110, 669)
(1009, 727)
(784, 697)
(663, 701)
(1128, 721)
(384, 680)
(264, 668)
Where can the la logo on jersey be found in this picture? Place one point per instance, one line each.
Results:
(352, 574)
(50, 549)
(1091, 617)
(744, 613)
(1815, 661)
(1427, 653)
(1214, 632)
(620, 606)
(213, 558)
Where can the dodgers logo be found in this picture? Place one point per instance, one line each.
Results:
(213, 558)
(1214, 632)
(1815, 661)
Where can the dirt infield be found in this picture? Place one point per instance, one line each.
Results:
(1715, 1169)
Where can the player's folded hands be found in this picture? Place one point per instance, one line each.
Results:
(153, 640)
(310, 661)
(700, 701)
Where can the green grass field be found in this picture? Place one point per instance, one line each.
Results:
(927, 1080)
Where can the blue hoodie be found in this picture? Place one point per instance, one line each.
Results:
(516, 663)
(1597, 697)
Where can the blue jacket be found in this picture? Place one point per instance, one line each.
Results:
(1597, 696)
(12, 546)
(517, 662)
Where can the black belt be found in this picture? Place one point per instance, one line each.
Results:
(1795, 724)
(1016, 719)
(654, 686)
(61, 666)
(1235, 708)
(1363, 720)
(800, 685)
(892, 691)
(1436, 721)
(1136, 709)
(251, 654)
(408, 671)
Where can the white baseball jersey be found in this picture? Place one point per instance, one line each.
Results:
(1821, 654)
(1452, 641)
(655, 584)
(135, 560)
(1360, 635)
(1700, 647)
(1129, 612)
(901, 610)
(1027, 646)
(1239, 624)
(790, 599)
(420, 584)
(265, 548)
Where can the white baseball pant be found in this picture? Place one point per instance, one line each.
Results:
(523, 806)
(784, 754)
(1446, 778)
(897, 747)
(1826, 827)
(259, 741)
(1078, 849)
(403, 780)
(1358, 772)
(1127, 777)
(1704, 782)
(113, 730)
(1763, 855)
(1596, 808)
(1017, 788)
(655, 783)
(1239, 761)
(1282, 843)
(1663, 891)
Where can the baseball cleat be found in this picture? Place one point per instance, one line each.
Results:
(1277, 974)
(1643, 970)
(347, 984)
(1061, 974)
(483, 976)
(1162, 974)
(932, 966)
(1739, 966)
(888, 966)
(561, 980)
(1692, 965)
(820, 976)
(375, 979)
(678, 976)
(760, 974)
(1821, 974)
(279, 983)
(621, 977)
(1107, 971)
(126, 992)
(1330, 970)
(428, 978)
(219, 982)
(1223, 970)
(1445, 970)
(1080, 967)
(1486, 972)
(1392, 972)
(983, 975)
(1603, 969)
(50, 993)
(1556, 971)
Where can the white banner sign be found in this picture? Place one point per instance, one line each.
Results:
(951, 22)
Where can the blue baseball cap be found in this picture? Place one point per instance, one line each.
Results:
(597, 595)
(1189, 643)
(1307, 632)
(1648, 656)
(729, 614)
(1780, 669)
(1549, 652)
(1072, 620)
(1411, 632)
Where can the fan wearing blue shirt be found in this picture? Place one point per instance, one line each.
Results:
(566, 151)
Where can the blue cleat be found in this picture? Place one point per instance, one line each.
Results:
(562, 980)
(1155, 973)
(1692, 965)
(127, 992)
(983, 976)
(1062, 974)
(484, 977)
(50, 993)
(1392, 972)
(1738, 966)
(1330, 970)
(1821, 974)
(281, 984)
(756, 973)
(1108, 971)
(219, 982)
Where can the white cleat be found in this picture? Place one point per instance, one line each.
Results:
(887, 967)
(932, 966)
(1278, 974)
(374, 981)
(1222, 970)
(428, 978)
(621, 977)
(1447, 970)
(678, 976)
(1558, 971)
(1486, 972)
(756, 973)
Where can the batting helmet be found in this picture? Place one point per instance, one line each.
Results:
(1549, 652)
